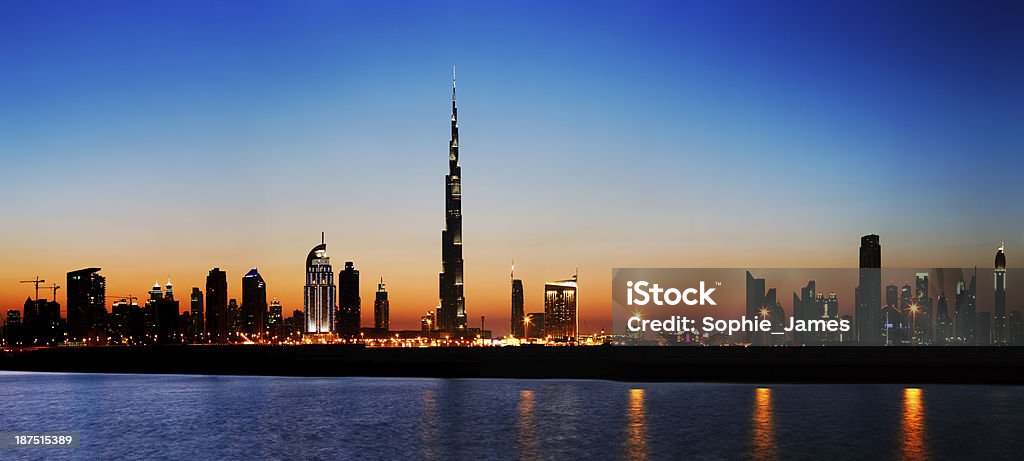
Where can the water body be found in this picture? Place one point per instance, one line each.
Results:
(217, 417)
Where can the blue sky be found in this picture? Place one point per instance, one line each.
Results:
(599, 134)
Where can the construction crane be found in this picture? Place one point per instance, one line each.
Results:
(54, 289)
(131, 299)
(37, 281)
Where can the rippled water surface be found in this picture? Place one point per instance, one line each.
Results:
(214, 417)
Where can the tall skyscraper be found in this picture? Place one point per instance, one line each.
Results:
(755, 301)
(381, 306)
(217, 305)
(966, 311)
(869, 302)
(999, 326)
(319, 292)
(451, 314)
(87, 311)
(560, 309)
(198, 326)
(254, 304)
(943, 322)
(275, 320)
(349, 301)
(518, 311)
(162, 315)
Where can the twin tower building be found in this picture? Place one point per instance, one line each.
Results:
(330, 309)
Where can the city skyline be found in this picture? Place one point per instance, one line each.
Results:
(170, 149)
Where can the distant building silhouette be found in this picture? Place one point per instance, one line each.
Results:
(254, 305)
(869, 291)
(560, 309)
(891, 315)
(41, 323)
(535, 325)
(349, 313)
(451, 313)
(217, 306)
(87, 311)
(319, 292)
(234, 319)
(999, 326)
(381, 308)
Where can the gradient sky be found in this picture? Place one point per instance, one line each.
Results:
(158, 139)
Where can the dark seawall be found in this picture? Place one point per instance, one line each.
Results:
(988, 365)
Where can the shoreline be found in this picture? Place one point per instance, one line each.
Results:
(924, 365)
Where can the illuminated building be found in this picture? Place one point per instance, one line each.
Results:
(518, 312)
(87, 311)
(319, 292)
(999, 327)
(349, 302)
(451, 314)
(254, 304)
(381, 306)
(197, 318)
(217, 305)
(869, 291)
(560, 309)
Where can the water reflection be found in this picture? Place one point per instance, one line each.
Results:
(914, 446)
(636, 426)
(429, 426)
(763, 435)
(527, 443)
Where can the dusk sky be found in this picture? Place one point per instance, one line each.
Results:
(158, 139)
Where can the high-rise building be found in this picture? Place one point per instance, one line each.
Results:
(12, 328)
(275, 321)
(999, 326)
(560, 309)
(869, 291)
(890, 315)
(162, 316)
(518, 328)
(41, 323)
(943, 322)
(234, 319)
(451, 314)
(319, 292)
(254, 305)
(87, 311)
(349, 302)
(381, 306)
(217, 306)
(198, 326)
(966, 311)
(984, 334)
(921, 319)
(1015, 329)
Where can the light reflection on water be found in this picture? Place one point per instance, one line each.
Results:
(914, 446)
(203, 417)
